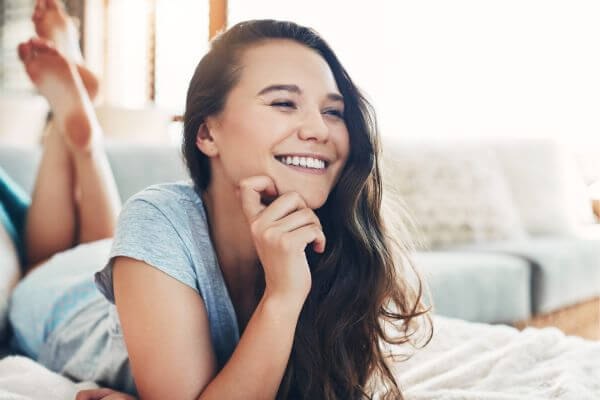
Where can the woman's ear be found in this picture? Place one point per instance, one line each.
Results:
(205, 141)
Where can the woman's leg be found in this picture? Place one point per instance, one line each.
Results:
(58, 218)
(51, 222)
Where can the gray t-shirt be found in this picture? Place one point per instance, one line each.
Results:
(166, 226)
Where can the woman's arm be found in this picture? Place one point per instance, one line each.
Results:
(167, 334)
(166, 330)
(256, 367)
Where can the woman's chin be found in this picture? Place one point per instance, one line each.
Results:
(314, 200)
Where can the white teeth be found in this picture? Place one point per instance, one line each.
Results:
(306, 162)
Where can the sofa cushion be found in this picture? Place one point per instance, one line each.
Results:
(22, 117)
(454, 191)
(149, 124)
(135, 166)
(21, 163)
(477, 286)
(10, 273)
(547, 187)
(565, 270)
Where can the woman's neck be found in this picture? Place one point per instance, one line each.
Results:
(230, 235)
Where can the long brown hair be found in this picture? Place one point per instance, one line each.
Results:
(359, 289)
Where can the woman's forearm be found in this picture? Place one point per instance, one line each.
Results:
(258, 363)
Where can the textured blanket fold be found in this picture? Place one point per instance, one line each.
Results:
(468, 360)
(24, 379)
(464, 360)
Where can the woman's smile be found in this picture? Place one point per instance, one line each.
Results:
(308, 165)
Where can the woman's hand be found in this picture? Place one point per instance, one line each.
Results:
(102, 393)
(281, 231)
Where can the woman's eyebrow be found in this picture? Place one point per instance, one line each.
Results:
(296, 89)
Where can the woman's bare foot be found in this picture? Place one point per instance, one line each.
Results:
(53, 23)
(58, 81)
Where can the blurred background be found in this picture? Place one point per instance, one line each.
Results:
(522, 68)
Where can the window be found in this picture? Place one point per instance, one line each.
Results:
(150, 49)
(181, 41)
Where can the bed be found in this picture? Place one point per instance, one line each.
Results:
(464, 360)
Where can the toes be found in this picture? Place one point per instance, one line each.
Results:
(40, 45)
(37, 11)
(40, 7)
(53, 4)
(24, 50)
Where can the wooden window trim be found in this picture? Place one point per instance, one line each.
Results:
(217, 17)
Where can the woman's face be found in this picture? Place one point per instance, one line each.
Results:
(285, 108)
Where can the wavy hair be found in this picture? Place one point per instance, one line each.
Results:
(359, 289)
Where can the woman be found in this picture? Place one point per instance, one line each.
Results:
(270, 274)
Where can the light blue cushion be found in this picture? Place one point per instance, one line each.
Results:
(134, 166)
(137, 167)
(479, 287)
(21, 163)
(565, 269)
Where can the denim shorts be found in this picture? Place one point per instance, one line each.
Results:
(60, 319)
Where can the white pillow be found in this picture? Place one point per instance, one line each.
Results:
(145, 125)
(548, 189)
(454, 191)
(22, 117)
(10, 273)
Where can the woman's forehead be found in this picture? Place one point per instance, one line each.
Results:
(286, 62)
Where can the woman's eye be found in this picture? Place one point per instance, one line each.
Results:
(283, 104)
(337, 113)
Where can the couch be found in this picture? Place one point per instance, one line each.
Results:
(509, 234)
(506, 263)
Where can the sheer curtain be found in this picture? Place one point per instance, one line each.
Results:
(146, 48)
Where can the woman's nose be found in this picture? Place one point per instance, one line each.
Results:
(314, 127)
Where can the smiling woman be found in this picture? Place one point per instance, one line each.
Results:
(273, 117)
(307, 108)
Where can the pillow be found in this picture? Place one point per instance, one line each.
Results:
(22, 117)
(454, 191)
(134, 125)
(547, 187)
(10, 273)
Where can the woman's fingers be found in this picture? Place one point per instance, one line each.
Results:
(297, 219)
(252, 190)
(310, 234)
(102, 394)
(284, 205)
(286, 214)
(93, 394)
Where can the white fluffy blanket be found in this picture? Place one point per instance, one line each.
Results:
(471, 361)
(464, 361)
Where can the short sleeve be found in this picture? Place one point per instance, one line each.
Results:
(147, 231)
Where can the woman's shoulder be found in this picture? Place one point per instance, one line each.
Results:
(168, 192)
(175, 202)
